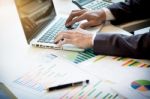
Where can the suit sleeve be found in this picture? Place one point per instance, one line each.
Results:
(137, 46)
(129, 11)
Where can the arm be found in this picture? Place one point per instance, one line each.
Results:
(129, 11)
(137, 46)
(116, 44)
(127, 46)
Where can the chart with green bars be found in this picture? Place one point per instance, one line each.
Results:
(128, 62)
(97, 90)
(79, 57)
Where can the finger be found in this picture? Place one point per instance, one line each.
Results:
(78, 19)
(65, 41)
(73, 15)
(87, 24)
(61, 36)
(59, 44)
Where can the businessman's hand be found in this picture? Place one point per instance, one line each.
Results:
(79, 37)
(93, 18)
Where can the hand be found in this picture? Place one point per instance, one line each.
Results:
(93, 18)
(79, 37)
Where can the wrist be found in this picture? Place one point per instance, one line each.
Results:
(89, 41)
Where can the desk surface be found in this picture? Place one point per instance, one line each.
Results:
(14, 50)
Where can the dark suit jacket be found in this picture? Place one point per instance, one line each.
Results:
(136, 46)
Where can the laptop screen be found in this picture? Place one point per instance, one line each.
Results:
(35, 15)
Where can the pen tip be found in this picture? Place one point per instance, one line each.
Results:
(87, 81)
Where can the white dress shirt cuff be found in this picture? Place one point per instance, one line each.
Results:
(93, 38)
(108, 13)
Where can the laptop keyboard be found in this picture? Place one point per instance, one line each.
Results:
(52, 32)
(95, 5)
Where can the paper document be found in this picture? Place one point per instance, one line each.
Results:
(53, 70)
(130, 75)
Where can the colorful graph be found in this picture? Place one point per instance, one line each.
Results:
(56, 72)
(96, 90)
(141, 85)
(127, 62)
(93, 91)
(80, 56)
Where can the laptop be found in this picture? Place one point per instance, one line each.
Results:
(5, 93)
(41, 24)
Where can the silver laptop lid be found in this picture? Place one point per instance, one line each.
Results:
(35, 15)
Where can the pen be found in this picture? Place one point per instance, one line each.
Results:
(74, 84)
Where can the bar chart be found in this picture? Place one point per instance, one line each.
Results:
(128, 62)
(41, 77)
(56, 72)
(80, 56)
(97, 90)
(50, 71)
